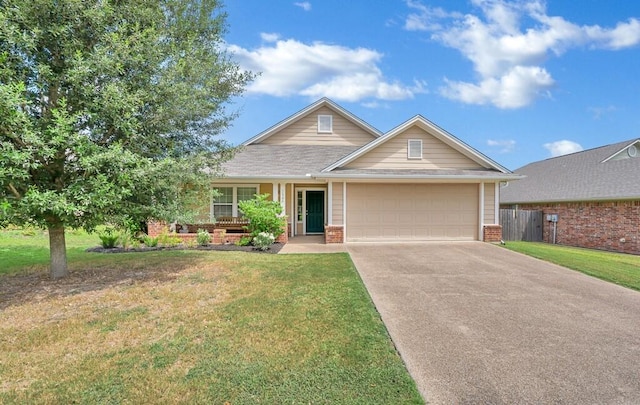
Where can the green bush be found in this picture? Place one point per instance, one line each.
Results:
(150, 241)
(203, 238)
(109, 238)
(244, 241)
(263, 215)
(169, 240)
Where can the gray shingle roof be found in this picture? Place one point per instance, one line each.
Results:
(577, 177)
(283, 160)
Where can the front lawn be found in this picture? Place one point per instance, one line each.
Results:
(194, 327)
(618, 268)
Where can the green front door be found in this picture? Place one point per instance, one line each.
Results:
(315, 211)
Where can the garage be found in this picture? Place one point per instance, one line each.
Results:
(378, 212)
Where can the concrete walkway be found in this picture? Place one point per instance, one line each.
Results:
(311, 244)
(476, 323)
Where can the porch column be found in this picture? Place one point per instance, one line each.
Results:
(283, 196)
(294, 203)
(497, 203)
(481, 213)
(330, 203)
(274, 195)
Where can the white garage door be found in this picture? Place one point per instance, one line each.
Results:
(412, 212)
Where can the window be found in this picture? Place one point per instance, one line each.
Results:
(299, 206)
(414, 149)
(325, 124)
(226, 203)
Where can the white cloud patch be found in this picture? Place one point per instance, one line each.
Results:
(305, 5)
(503, 145)
(269, 37)
(563, 147)
(289, 67)
(508, 54)
(599, 112)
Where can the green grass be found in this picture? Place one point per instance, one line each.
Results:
(618, 268)
(28, 249)
(194, 327)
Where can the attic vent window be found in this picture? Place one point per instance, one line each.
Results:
(325, 124)
(414, 149)
(632, 151)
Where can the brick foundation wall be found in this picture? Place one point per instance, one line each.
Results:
(333, 234)
(492, 233)
(609, 225)
(155, 228)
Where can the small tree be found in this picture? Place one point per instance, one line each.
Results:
(109, 110)
(263, 215)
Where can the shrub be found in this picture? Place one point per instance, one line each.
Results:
(203, 238)
(244, 241)
(169, 240)
(150, 241)
(109, 238)
(263, 240)
(263, 215)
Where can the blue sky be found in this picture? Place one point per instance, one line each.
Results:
(518, 80)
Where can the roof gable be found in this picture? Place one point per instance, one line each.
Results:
(441, 150)
(631, 150)
(302, 128)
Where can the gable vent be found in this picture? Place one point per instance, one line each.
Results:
(414, 149)
(325, 124)
(632, 151)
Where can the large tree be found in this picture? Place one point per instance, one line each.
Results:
(108, 109)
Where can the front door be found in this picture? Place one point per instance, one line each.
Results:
(315, 211)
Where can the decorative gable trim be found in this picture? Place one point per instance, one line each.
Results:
(432, 129)
(323, 102)
(626, 150)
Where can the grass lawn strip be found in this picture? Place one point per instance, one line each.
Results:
(199, 327)
(618, 268)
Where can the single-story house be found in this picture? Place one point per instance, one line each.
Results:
(336, 175)
(593, 194)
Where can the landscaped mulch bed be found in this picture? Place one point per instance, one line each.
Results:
(275, 248)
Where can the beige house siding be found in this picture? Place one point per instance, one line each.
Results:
(489, 203)
(305, 132)
(267, 188)
(337, 205)
(393, 154)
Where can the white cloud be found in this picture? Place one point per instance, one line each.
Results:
(598, 112)
(563, 147)
(503, 146)
(305, 5)
(516, 88)
(506, 53)
(289, 67)
(269, 37)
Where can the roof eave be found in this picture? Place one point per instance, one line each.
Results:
(574, 200)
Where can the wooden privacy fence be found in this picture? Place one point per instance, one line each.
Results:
(521, 225)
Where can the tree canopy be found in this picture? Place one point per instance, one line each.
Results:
(109, 109)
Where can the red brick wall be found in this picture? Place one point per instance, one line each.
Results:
(608, 225)
(492, 233)
(333, 234)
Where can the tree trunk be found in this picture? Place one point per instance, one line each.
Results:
(58, 251)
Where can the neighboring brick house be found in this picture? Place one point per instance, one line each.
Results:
(595, 193)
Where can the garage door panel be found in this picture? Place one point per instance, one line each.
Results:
(412, 211)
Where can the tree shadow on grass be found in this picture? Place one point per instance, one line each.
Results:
(86, 277)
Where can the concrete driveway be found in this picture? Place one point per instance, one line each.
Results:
(476, 323)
